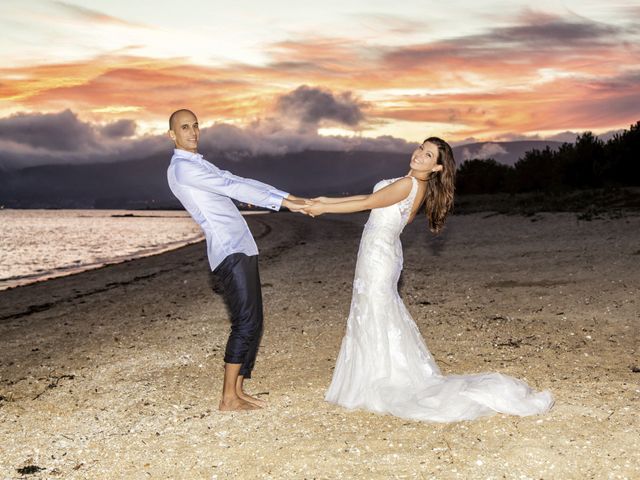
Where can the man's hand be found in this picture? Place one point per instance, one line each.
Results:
(296, 205)
(314, 208)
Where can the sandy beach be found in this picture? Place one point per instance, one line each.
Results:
(116, 372)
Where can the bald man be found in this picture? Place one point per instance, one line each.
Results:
(205, 191)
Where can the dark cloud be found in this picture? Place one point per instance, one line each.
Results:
(30, 139)
(555, 33)
(50, 131)
(628, 80)
(547, 33)
(256, 140)
(119, 129)
(313, 106)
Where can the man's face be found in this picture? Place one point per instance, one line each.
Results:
(185, 131)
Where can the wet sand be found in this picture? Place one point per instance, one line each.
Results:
(116, 372)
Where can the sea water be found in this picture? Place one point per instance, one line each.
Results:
(40, 244)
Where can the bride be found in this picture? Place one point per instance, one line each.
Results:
(384, 365)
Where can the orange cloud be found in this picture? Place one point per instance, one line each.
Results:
(561, 104)
(542, 74)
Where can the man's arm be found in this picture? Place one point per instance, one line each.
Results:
(253, 192)
(290, 201)
(255, 183)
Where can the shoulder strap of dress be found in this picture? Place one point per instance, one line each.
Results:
(414, 187)
(408, 200)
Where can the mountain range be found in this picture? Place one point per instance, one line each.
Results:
(142, 184)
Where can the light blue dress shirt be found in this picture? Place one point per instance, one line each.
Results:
(206, 192)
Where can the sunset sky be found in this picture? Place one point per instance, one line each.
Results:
(492, 70)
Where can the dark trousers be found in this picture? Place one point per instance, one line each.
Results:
(240, 279)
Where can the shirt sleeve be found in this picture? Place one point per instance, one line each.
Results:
(244, 190)
(255, 183)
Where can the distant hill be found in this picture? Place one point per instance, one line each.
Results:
(142, 183)
(507, 153)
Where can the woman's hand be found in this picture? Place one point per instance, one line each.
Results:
(315, 208)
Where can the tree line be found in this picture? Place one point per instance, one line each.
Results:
(587, 163)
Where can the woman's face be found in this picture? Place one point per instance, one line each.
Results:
(425, 158)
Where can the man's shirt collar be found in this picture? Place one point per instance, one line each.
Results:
(186, 154)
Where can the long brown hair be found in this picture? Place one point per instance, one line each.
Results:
(440, 187)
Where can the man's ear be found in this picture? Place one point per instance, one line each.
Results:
(172, 135)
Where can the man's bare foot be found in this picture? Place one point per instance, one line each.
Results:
(236, 404)
(254, 400)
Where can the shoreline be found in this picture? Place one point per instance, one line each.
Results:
(63, 271)
(116, 373)
(21, 281)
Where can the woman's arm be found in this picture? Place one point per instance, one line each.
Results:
(340, 199)
(384, 197)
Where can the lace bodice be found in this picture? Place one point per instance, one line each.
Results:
(394, 217)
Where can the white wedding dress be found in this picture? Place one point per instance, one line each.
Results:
(384, 365)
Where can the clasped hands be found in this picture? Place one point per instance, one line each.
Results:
(307, 206)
